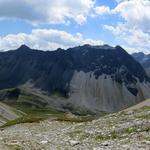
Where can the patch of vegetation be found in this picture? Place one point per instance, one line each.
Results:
(79, 133)
(75, 133)
(101, 137)
(118, 134)
(85, 136)
(38, 115)
(130, 130)
(122, 113)
(14, 146)
(32, 114)
(112, 135)
(144, 116)
(77, 119)
(33, 110)
(146, 108)
(147, 138)
(24, 119)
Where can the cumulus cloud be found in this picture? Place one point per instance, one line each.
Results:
(46, 11)
(135, 27)
(46, 40)
(134, 38)
(135, 12)
(101, 10)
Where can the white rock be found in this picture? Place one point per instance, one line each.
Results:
(147, 142)
(98, 148)
(73, 143)
(43, 142)
(125, 146)
(14, 142)
(105, 143)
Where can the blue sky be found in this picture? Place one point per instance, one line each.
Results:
(47, 24)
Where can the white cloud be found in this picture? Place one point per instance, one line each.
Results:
(134, 38)
(135, 12)
(46, 11)
(101, 10)
(134, 30)
(81, 19)
(45, 39)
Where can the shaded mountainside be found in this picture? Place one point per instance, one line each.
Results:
(57, 67)
(95, 78)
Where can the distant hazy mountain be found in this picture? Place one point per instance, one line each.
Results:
(84, 78)
(143, 59)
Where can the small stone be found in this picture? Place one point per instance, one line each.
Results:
(125, 146)
(1, 129)
(98, 148)
(105, 143)
(43, 142)
(14, 142)
(73, 143)
(139, 123)
(147, 142)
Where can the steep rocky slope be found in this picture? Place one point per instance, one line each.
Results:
(118, 131)
(81, 79)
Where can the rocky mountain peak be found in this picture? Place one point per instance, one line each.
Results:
(24, 47)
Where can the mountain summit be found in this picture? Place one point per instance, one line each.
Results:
(23, 47)
(85, 78)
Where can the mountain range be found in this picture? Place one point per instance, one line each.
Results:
(80, 79)
(144, 59)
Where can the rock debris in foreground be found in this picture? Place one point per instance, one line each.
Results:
(118, 131)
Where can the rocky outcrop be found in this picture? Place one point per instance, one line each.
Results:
(104, 94)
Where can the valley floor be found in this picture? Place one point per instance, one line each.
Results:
(127, 130)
